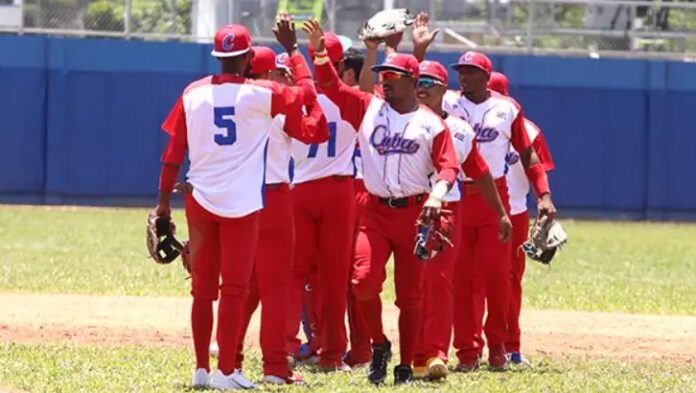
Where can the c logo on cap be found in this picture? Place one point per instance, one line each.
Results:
(467, 57)
(228, 42)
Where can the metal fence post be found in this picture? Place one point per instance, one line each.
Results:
(127, 10)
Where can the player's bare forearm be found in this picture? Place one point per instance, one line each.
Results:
(166, 186)
(367, 78)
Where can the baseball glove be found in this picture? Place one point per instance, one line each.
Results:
(433, 235)
(161, 243)
(385, 23)
(546, 237)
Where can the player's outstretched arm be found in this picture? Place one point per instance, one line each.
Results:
(312, 128)
(422, 36)
(172, 158)
(367, 78)
(287, 37)
(352, 102)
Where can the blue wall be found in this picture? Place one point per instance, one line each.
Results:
(80, 119)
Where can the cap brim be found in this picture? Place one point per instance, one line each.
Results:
(457, 66)
(387, 67)
(229, 54)
(432, 76)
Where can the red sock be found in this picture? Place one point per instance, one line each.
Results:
(202, 330)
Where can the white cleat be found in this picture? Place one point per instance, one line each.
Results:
(201, 379)
(234, 381)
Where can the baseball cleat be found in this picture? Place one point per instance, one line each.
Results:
(516, 359)
(340, 367)
(201, 379)
(234, 381)
(403, 375)
(381, 355)
(468, 365)
(290, 380)
(420, 372)
(437, 369)
(355, 361)
(497, 362)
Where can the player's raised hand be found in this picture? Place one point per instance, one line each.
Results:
(372, 44)
(393, 41)
(315, 34)
(422, 36)
(285, 32)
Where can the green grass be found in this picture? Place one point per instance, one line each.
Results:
(609, 266)
(66, 368)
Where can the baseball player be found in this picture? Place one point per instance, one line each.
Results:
(324, 208)
(483, 269)
(401, 143)
(518, 186)
(436, 330)
(224, 122)
(271, 273)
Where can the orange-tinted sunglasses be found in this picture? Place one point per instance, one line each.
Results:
(391, 76)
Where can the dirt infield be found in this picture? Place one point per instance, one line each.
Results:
(113, 321)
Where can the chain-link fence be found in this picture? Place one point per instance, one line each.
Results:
(588, 26)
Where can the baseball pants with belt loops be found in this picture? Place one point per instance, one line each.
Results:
(222, 257)
(270, 280)
(481, 276)
(385, 230)
(324, 212)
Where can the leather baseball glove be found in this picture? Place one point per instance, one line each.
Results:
(161, 243)
(433, 235)
(385, 23)
(545, 238)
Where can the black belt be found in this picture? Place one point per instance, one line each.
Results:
(398, 203)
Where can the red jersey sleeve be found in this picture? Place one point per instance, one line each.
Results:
(352, 102)
(518, 133)
(445, 157)
(175, 126)
(284, 97)
(542, 150)
(475, 166)
(309, 129)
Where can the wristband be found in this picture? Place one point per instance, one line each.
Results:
(537, 177)
(321, 60)
(323, 53)
(440, 189)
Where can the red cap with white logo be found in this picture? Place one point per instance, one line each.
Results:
(264, 60)
(474, 59)
(231, 41)
(433, 69)
(499, 83)
(399, 62)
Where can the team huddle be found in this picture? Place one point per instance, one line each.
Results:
(302, 186)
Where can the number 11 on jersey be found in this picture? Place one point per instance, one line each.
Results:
(331, 144)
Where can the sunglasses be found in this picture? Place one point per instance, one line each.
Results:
(391, 76)
(427, 83)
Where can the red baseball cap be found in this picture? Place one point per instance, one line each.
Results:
(474, 59)
(433, 69)
(334, 47)
(283, 61)
(231, 41)
(498, 82)
(263, 60)
(399, 62)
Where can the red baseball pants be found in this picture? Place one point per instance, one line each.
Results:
(384, 231)
(360, 345)
(270, 280)
(520, 229)
(220, 248)
(436, 326)
(324, 224)
(481, 273)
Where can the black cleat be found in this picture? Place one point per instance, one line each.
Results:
(403, 375)
(381, 355)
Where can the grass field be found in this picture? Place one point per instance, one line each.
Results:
(608, 266)
(68, 368)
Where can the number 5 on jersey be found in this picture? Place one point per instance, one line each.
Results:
(222, 119)
(331, 144)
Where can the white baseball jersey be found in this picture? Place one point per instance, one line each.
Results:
(331, 158)
(227, 122)
(397, 149)
(463, 138)
(278, 159)
(497, 123)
